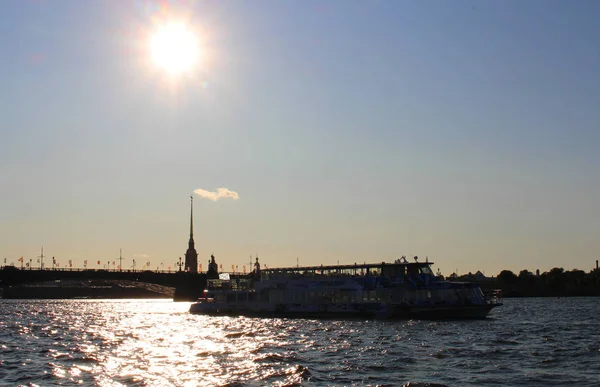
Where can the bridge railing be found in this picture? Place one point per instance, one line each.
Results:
(79, 269)
(8, 267)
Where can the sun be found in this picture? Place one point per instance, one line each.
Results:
(175, 48)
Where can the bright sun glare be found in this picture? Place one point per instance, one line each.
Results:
(175, 48)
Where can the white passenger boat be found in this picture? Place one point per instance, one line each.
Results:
(378, 290)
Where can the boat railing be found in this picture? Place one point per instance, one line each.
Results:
(493, 296)
(232, 284)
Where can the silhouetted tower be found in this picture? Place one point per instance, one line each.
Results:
(191, 256)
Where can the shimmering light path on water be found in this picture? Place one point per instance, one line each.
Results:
(157, 343)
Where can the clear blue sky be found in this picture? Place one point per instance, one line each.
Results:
(465, 131)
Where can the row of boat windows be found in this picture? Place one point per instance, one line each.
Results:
(473, 295)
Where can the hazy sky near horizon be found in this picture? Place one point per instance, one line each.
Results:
(351, 131)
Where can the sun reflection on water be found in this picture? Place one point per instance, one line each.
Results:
(159, 344)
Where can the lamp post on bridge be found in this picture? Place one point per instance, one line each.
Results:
(41, 259)
(179, 264)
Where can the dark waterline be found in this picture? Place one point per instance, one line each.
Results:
(529, 341)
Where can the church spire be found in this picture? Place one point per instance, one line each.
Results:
(191, 256)
(191, 218)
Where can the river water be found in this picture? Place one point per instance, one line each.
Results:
(533, 341)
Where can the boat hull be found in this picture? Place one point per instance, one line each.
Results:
(364, 311)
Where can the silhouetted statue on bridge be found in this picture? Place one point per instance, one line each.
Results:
(213, 268)
(256, 271)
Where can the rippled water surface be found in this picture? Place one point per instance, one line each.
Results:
(157, 343)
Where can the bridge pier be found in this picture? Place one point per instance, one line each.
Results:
(189, 287)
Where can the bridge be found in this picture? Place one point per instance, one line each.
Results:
(23, 283)
(184, 285)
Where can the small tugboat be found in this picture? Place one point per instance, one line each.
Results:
(397, 290)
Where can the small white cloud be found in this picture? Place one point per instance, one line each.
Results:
(220, 193)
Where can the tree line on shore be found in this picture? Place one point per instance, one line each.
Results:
(554, 283)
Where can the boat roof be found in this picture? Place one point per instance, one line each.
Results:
(345, 267)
